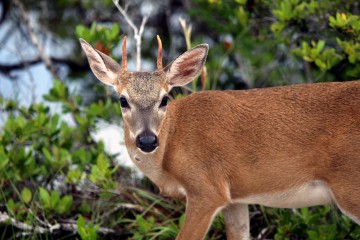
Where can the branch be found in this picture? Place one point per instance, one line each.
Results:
(137, 33)
(74, 66)
(71, 227)
(34, 39)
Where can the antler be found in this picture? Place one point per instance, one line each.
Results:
(159, 57)
(124, 57)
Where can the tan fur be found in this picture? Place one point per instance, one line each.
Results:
(289, 146)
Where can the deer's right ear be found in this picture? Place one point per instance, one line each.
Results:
(187, 66)
(103, 66)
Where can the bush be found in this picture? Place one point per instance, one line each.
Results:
(282, 42)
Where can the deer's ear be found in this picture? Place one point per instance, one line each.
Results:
(103, 66)
(187, 66)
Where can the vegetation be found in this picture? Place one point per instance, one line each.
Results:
(57, 182)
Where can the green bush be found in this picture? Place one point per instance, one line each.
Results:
(52, 174)
(281, 42)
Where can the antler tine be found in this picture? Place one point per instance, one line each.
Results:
(159, 57)
(124, 57)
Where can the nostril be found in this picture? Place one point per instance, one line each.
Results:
(138, 142)
(147, 143)
(146, 140)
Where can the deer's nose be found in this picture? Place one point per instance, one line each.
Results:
(147, 142)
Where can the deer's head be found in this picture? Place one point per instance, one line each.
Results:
(143, 95)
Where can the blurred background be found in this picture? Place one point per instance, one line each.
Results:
(64, 170)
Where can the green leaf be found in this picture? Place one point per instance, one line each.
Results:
(81, 227)
(103, 163)
(73, 176)
(320, 46)
(54, 198)
(241, 2)
(85, 207)
(96, 175)
(4, 160)
(80, 222)
(242, 16)
(308, 59)
(114, 31)
(332, 21)
(277, 27)
(86, 232)
(321, 64)
(10, 204)
(314, 53)
(181, 220)
(54, 122)
(26, 195)
(50, 98)
(47, 154)
(45, 197)
(60, 89)
(64, 205)
(82, 32)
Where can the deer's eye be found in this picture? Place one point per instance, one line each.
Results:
(164, 102)
(123, 102)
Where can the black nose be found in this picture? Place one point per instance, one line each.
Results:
(147, 142)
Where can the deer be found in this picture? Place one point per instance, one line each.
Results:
(284, 147)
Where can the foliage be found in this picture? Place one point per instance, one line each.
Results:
(86, 231)
(281, 42)
(43, 157)
(312, 224)
(53, 173)
(102, 37)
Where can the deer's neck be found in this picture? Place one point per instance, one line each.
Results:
(152, 164)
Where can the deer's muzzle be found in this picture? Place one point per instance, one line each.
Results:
(147, 142)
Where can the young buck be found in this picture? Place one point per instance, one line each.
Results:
(286, 147)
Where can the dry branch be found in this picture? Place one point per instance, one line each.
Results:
(137, 32)
(71, 227)
(25, 18)
(72, 65)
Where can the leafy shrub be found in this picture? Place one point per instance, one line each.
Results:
(267, 43)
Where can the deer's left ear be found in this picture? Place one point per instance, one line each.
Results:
(103, 66)
(187, 66)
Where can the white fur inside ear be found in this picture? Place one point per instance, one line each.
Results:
(187, 66)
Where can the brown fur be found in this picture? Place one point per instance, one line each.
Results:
(261, 141)
(248, 134)
(218, 149)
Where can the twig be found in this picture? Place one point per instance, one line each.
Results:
(187, 35)
(307, 72)
(34, 39)
(72, 65)
(137, 32)
(71, 227)
(23, 226)
(187, 32)
(123, 206)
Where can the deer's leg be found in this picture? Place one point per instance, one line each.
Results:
(347, 199)
(198, 218)
(345, 182)
(236, 216)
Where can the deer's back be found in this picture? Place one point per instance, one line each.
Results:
(317, 108)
